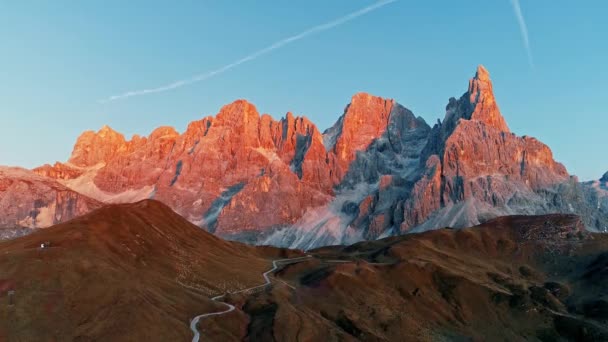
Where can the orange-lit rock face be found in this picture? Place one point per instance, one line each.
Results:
(475, 149)
(92, 148)
(365, 119)
(483, 146)
(280, 168)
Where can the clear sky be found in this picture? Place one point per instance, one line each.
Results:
(58, 59)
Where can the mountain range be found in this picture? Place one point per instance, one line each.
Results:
(378, 171)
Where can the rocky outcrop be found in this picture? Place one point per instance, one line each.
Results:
(28, 200)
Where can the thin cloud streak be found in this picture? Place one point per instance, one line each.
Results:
(523, 29)
(254, 55)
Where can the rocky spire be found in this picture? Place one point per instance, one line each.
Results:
(483, 102)
(604, 177)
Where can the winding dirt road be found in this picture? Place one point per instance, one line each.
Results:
(230, 308)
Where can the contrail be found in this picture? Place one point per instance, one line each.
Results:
(254, 55)
(523, 28)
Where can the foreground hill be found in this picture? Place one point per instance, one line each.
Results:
(518, 278)
(133, 272)
(141, 272)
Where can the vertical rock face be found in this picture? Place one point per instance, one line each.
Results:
(426, 196)
(379, 170)
(28, 200)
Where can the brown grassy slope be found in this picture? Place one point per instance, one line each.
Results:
(118, 274)
(512, 279)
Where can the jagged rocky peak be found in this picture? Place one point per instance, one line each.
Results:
(478, 104)
(364, 109)
(364, 119)
(240, 112)
(297, 124)
(297, 134)
(106, 130)
(482, 74)
(366, 98)
(367, 106)
(604, 177)
(92, 147)
(238, 123)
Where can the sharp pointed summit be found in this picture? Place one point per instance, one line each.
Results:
(482, 73)
(483, 103)
(106, 129)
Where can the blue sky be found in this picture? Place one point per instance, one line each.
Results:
(59, 60)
